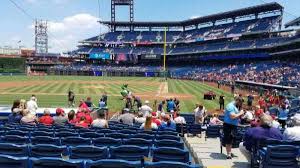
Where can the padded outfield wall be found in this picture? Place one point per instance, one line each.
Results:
(12, 66)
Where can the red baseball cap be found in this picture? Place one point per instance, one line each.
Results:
(259, 112)
(59, 111)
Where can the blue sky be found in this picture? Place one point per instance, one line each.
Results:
(74, 20)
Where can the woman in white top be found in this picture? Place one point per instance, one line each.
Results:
(100, 122)
(148, 125)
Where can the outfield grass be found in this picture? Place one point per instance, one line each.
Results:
(52, 90)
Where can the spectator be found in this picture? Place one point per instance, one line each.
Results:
(100, 122)
(60, 118)
(250, 99)
(262, 132)
(146, 109)
(140, 118)
(86, 113)
(148, 125)
(71, 99)
(102, 104)
(23, 104)
(283, 115)
(46, 119)
(155, 119)
(215, 120)
(89, 102)
(28, 118)
(248, 116)
(222, 101)
(160, 108)
(176, 102)
(137, 101)
(32, 105)
(82, 123)
(200, 114)
(170, 105)
(15, 115)
(231, 120)
(179, 119)
(275, 123)
(127, 117)
(104, 98)
(168, 123)
(72, 117)
(293, 133)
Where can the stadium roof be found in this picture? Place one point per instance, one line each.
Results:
(264, 8)
(295, 22)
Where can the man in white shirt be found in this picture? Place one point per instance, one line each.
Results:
(293, 133)
(200, 114)
(32, 105)
(146, 109)
(179, 119)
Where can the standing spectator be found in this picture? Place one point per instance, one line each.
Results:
(82, 123)
(231, 120)
(32, 105)
(287, 103)
(71, 99)
(168, 123)
(100, 122)
(176, 102)
(104, 98)
(102, 104)
(46, 119)
(146, 109)
(15, 115)
(140, 118)
(283, 115)
(179, 119)
(89, 102)
(293, 133)
(232, 88)
(160, 108)
(170, 105)
(60, 118)
(72, 117)
(222, 101)
(148, 125)
(28, 118)
(250, 99)
(219, 83)
(137, 101)
(262, 132)
(127, 117)
(200, 114)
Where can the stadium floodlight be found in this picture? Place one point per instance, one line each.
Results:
(41, 37)
(115, 3)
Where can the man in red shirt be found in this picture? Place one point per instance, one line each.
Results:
(83, 112)
(46, 119)
(155, 120)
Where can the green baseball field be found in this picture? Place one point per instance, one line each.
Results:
(51, 91)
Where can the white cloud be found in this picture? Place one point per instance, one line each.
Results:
(194, 17)
(65, 34)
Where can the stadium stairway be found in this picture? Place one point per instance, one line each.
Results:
(207, 153)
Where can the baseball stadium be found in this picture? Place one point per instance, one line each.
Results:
(218, 90)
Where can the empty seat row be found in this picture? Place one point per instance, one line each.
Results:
(25, 162)
(125, 152)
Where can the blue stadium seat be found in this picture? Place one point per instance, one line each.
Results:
(113, 163)
(127, 131)
(42, 133)
(74, 141)
(91, 135)
(174, 133)
(66, 134)
(168, 143)
(13, 149)
(137, 142)
(168, 137)
(212, 131)
(129, 152)
(46, 129)
(88, 152)
(48, 162)
(170, 154)
(17, 132)
(280, 156)
(45, 140)
(194, 129)
(106, 141)
(47, 150)
(7, 161)
(103, 131)
(15, 139)
(147, 132)
(117, 135)
(166, 164)
(143, 136)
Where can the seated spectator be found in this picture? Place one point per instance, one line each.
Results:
(82, 123)
(100, 122)
(155, 119)
(148, 125)
(262, 132)
(86, 113)
(275, 123)
(60, 118)
(146, 109)
(293, 133)
(23, 104)
(15, 115)
(168, 123)
(89, 102)
(179, 119)
(28, 118)
(140, 118)
(248, 116)
(127, 117)
(46, 119)
(215, 120)
(72, 117)
(283, 115)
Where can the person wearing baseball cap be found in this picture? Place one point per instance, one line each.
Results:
(293, 133)
(60, 118)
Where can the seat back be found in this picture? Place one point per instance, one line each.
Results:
(117, 135)
(7, 161)
(47, 150)
(167, 137)
(66, 134)
(48, 162)
(129, 152)
(166, 164)
(170, 154)
(45, 140)
(91, 135)
(113, 163)
(194, 129)
(75, 141)
(15, 139)
(212, 131)
(88, 152)
(137, 142)
(173, 133)
(281, 156)
(143, 136)
(42, 133)
(106, 141)
(169, 143)
(13, 149)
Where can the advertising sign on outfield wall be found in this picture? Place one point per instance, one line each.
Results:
(100, 56)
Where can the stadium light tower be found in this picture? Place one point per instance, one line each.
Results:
(115, 3)
(41, 37)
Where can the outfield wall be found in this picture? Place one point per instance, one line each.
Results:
(12, 65)
(106, 73)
